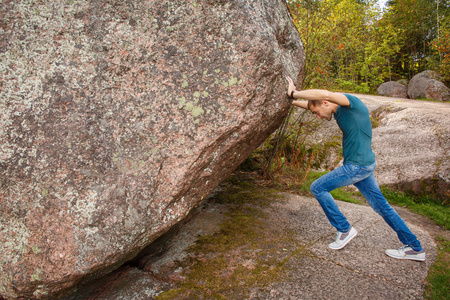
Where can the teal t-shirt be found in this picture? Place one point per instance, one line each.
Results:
(354, 121)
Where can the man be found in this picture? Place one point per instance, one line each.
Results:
(352, 117)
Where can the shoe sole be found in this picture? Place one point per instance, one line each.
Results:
(343, 245)
(406, 257)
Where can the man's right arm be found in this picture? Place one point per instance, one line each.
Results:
(303, 104)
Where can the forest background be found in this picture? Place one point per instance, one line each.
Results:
(356, 45)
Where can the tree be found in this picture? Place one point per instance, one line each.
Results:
(311, 19)
(414, 24)
(335, 35)
(440, 59)
(353, 45)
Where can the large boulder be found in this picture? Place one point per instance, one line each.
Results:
(118, 117)
(427, 85)
(393, 89)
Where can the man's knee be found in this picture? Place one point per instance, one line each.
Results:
(315, 188)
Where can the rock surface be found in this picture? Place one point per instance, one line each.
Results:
(393, 89)
(425, 85)
(411, 144)
(119, 117)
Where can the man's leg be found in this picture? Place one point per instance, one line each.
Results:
(345, 175)
(371, 191)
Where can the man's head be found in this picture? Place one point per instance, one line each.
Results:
(313, 103)
(323, 109)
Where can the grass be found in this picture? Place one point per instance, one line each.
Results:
(244, 254)
(426, 206)
(438, 285)
(426, 99)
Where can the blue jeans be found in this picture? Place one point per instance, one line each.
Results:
(361, 177)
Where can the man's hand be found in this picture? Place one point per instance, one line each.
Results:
(291, 86)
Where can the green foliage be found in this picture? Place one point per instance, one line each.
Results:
(440, 60)
(351, 86)
(354, 46)
(414, 25)
(335, 35)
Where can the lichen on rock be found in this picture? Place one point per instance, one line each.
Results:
(114, 123)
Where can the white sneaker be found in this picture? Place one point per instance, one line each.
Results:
(342, 239)
(406, 252)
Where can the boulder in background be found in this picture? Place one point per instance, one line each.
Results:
(393, 89)
(425, 85)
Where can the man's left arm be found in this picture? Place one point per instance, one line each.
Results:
(337, 98)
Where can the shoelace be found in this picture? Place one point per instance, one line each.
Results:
(403, 248)
(338, 236)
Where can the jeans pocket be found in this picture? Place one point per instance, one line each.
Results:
(364, 172)
(351, 169)
(370, 168)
